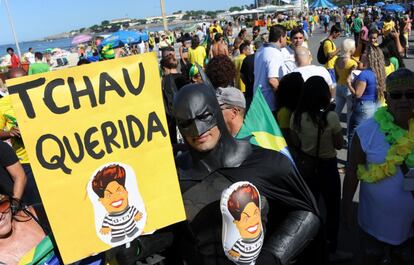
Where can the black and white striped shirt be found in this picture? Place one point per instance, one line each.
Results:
(122, 223)
(249, 249)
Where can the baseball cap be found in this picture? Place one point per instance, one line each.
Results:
(230, 96)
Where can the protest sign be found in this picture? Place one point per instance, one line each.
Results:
(98, 143)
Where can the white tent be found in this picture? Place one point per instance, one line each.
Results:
(245, 12)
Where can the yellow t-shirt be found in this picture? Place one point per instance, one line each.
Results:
(389, 69)
(238, 61)
(283, 118)
(197, 55)
(329, 47)
(217, 27)
(388, 27)
(6, 123)
(345, 72)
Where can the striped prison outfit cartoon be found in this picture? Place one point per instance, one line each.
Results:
(122, 224)
(249, 249)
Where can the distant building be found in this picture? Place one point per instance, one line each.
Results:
(120, 20)
(159, 18)
(264, 2)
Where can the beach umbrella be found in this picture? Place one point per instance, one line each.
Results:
(379, 4)
(393, 8)
(81, 39)
(323, 4)
(144, 36)
(121, 38)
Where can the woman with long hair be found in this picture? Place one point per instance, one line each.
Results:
(368, 88)
(287, 99)
(316, 132)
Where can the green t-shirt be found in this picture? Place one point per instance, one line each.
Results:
(37, 68)
(357, 25)
(394, 61)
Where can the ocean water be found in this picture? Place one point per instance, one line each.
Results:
(38, 46)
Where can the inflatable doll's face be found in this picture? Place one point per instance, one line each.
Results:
(115, 198)
(5, 217)
(249, 225)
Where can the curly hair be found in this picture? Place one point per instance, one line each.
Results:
(238, 200)
(107, 175)
(376, 62)
(221, 71)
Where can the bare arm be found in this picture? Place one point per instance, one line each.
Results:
(274, 83)
(180, 51)
(333, 54)
(360, 87)
(349, 81)
(396, 36)
(13, 132)
(226, 50)
(19, 178)
(210, 54)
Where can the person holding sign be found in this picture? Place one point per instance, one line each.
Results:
(10, 131)
(214, 161)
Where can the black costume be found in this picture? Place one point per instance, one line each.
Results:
(293, 216)
(292, 220)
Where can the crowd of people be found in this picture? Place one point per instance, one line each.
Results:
(210, 87)
(353, 75)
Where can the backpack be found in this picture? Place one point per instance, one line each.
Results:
(322, 58)
(326, 19)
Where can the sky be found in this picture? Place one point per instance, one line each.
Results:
(35, 19)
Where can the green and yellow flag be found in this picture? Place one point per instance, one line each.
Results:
(262, 128)
(41, 254)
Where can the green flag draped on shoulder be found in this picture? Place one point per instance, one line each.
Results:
(41, 254)
(261, 126)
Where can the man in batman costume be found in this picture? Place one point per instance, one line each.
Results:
(214, 161)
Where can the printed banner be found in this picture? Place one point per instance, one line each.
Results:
(98, 144)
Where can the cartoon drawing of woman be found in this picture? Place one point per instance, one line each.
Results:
(243, 204)
(121, 218)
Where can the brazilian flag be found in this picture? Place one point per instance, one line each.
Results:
(262, 128)
(41, 254)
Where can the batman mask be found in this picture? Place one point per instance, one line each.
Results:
(196, 110)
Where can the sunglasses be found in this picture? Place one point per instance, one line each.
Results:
(409, 94)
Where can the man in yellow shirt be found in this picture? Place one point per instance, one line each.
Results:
(238, 61)
(196, 53)
(216, 26)
(331, 52)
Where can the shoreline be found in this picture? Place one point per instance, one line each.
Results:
(171, 25)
